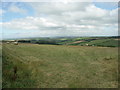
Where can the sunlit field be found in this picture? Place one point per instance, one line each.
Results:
(0, 65)
(59, 66)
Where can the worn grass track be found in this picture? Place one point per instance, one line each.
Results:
(52, 66)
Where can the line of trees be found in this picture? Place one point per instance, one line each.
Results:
(39, 41)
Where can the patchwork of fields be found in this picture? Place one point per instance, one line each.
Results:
(60, 66)
(78, 41)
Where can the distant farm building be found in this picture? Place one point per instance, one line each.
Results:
(7, 42)
(87, 44)
(15, 43)
(11, 40)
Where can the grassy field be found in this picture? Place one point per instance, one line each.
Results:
(100, 42)
(0, 65)
(60, 66)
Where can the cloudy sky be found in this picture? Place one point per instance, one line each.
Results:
(50, 19)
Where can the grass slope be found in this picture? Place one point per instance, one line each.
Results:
(52, 66)
(0, 66)
(101, 42)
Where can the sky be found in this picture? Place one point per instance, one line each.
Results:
(56, 19)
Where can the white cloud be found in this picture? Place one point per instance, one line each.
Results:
(69, 19)
(57, 8)
(75, 12)
(64, 1)
(29, 23)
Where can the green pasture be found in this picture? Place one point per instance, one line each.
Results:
(59, 66)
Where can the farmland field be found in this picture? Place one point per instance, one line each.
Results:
(60, 66)
(0, 65)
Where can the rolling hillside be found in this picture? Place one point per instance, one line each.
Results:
(79, 41)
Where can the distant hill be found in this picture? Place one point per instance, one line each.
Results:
(112, 41)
